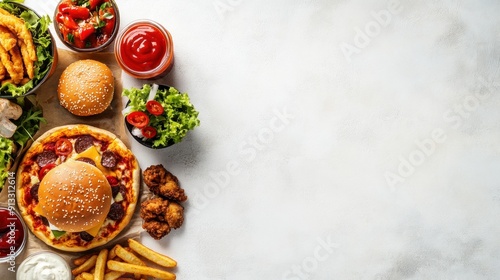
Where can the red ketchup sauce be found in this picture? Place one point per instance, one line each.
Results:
(143, 47)
(11, 233)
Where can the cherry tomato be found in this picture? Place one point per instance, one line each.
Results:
(45, 170)
(63, 147)
(112, 180)
(63, 7)
(138, 119)
(85, 31)
(154, 107)
(148, 132)
(69, 22)
(109, 27)
(94, 3)
(77, 12)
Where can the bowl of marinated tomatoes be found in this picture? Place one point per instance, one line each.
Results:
(87, 26)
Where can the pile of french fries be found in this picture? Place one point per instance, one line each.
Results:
(121, 261)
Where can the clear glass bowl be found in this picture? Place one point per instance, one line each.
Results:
(5, 215)
(64, 272)
(167, 58)
(94, 49)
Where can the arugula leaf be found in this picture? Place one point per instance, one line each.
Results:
(27, 125)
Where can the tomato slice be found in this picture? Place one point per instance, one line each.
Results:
(45, 170)
(138, 119)
(63, 147)
(112, 180)
(51, 146)
(154, 107)
(148, 132)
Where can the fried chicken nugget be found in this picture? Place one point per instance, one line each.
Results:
(7, 39)
(17, 64)
(163, 183)
(11, 68)
(28, 63)
(17, 26)
(160, 216)
(2, 71)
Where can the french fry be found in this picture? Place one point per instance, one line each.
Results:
(100, 264)
(151, 255)
(79, 277)
(80, 260)
(127, 256)
(144, 270)
(113, 275)
(86, 266)
(112, 252)
(87, 276)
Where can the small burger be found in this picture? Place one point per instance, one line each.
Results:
(75, 196)
(86, 87)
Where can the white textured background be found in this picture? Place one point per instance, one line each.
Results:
(307, 107)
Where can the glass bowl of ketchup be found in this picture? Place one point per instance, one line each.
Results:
(145, 50)
(13, 234)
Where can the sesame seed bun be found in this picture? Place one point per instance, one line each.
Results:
(75, 196)
(86, 87)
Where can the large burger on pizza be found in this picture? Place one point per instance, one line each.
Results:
(77, 187)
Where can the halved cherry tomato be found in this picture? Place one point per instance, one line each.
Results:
(77, 12)
(69, 22)
(85, 31)
(112, 180)
(63, 7)
(94, 3)
(138, 119)
(63, 147)
(45, 170)
(154, 107)
(109, 27)
(148, 132)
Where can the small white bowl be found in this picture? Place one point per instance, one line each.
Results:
(44, 265)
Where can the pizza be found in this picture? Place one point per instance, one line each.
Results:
(78, 143)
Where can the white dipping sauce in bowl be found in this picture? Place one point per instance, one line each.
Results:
(44, 266)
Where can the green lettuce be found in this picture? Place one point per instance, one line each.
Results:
(6, 150)
(27, 125)
(179, 117)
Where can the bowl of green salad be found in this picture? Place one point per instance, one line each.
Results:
(29, 54)
(158, 116)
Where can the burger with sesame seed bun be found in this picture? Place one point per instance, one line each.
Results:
(86, 87)
(74, 196)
